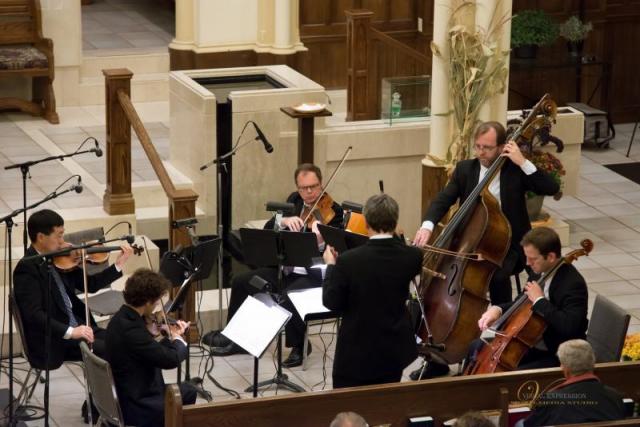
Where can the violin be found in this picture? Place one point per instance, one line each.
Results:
(155, 321)
(321, 211)
(70, 262)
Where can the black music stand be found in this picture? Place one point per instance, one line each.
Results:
(341, 240)
(268, 248)
(181, 269)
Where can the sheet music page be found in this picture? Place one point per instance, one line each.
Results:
(255, 324)
(308, 301)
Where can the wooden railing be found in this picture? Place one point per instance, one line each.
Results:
(365, 69)
(441, 398)
(121, 116)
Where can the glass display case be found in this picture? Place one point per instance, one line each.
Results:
(405, 97)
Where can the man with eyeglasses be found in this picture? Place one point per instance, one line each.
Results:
(308, 180)
(509, 187)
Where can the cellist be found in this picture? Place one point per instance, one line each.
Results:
(308, 180)
(562, 303)
(514, 180)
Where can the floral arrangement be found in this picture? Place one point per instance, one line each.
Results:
(549, 164)
(631, 349)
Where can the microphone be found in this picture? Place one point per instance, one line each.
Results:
(77, 187)
(267, 147)
(186, 222)
(97, 150)
(279, 206)
(130, 238)
(381, 184)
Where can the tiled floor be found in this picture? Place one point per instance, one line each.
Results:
(605, 210)
(127, 26)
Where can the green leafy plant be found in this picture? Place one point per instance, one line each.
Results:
(532, 27)
(574, 30)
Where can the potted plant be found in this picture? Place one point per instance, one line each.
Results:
(575, 31)
(530, 29)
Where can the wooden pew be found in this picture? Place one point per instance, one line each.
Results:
(441, 398)
(25, 52)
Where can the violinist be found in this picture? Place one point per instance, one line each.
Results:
(137, 359)
(369, 286)
(562, 303)
(31, 279)
(67, 312)
(308, 180)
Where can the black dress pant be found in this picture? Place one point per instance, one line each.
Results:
(241, 289)
(72, 347)
(500, 285)
(148, 411)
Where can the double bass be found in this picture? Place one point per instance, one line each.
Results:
(519, 328)
(458, 266)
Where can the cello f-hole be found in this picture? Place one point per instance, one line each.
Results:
(453, 273)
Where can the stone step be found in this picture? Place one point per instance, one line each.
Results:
(151, 63)
(148, 87)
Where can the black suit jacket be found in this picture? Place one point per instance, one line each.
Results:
(566, 309)
(296, 199)
(136, 360)
(580, 402)
(369, 286)
(514, 184)
(31, 280)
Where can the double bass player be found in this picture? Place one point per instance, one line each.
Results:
(509, 186)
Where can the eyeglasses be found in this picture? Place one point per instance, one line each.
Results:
(309, 187)
(484, 148)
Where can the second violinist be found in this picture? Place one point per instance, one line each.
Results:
(308, 180)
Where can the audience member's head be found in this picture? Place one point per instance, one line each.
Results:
(576, 357)
(473, 419)
(348, 419)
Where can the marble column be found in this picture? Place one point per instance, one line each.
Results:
(184, 25)
(283, 24)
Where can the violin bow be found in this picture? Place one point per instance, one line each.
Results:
(324, 188)
(83, 253)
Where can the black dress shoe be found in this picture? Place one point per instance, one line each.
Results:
(433, 370)
(227, 350)
(295, 357)
(215, 339)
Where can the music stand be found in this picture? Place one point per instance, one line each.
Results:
(259, 314)
(268, 248)
(191, 264)
(341, 240)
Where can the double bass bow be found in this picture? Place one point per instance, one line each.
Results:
(458, 266)
(519, 328)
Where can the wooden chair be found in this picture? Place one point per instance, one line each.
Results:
(24, 52)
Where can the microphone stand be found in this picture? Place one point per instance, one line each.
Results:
(24, 168)
(8, 220)
(221, 163)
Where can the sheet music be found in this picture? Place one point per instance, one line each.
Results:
(256, 323)
(308, 301)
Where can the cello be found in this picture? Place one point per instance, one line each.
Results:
(519, 328)
(458, 266)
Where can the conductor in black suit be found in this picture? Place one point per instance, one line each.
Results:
(136, 358)
(308, 180)
(369, 287)
(515, 179)
(562, 303)
(67, 312)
